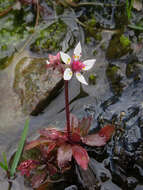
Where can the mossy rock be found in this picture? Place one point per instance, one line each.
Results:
(50, 38)
(35, 84)
(119, 45)
(5, 4)
(13, 33)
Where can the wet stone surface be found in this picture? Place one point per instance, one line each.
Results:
(35, 84)
(114, 94)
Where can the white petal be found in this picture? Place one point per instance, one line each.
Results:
(65, 58)
(81, 78)
(88, 64)
(68, 74)
(48, 63)
(77, 51)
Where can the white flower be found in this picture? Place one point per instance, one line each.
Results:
(76, 66)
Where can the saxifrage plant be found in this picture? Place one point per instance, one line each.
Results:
(58, 147)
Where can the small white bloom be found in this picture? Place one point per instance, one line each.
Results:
(68, 74)
(76, 66)
(47, 62)
(88, 64)
(81, 78)
(65, 58)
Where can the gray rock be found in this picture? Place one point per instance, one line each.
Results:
(108, 185)
(35, 84)
(72, 187)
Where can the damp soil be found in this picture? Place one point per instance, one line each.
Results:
(113, 96)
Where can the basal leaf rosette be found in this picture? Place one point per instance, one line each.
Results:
(65, 148)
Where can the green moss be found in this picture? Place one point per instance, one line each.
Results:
(5, 62)
(59, 9)
(103, 46)
(95, 52)
(92, 22)
(92, 79)
(125, 42)
(50, 38)
(118, 46)
(98, 36)
(114, 77)
(92, 30)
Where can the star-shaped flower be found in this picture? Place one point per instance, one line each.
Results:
(75, 65)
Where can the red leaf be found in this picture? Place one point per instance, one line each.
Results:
(94, 140)
(64, 155)
(37, 142)
(107, 131)
(80, 156)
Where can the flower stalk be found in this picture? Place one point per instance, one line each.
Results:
(67, 108)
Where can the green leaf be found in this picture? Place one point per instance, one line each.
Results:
(5, 160)
(3, 166)
(129, 6)
(135, 27)
(20, 148)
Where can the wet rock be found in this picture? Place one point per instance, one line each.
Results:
(139, 169)
(132, 182)
(72, 187)
(133, 135)
(94, 176)
(4, 185)
(105, 14)
(139, 187)
(87, 179)
(102, 174)
(109, 185)
(35, 84)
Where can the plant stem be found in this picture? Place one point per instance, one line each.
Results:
(67, 108)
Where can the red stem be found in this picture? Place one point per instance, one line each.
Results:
(67, 108)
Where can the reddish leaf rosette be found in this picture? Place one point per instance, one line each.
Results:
(56, 144)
